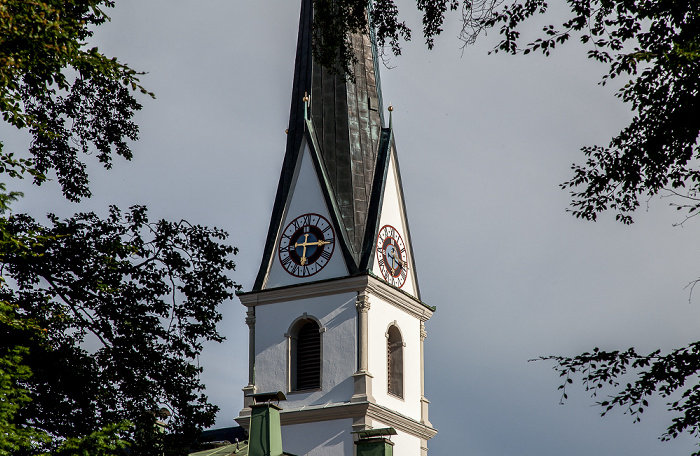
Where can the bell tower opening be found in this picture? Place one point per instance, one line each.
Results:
(305, 359)
(394, 357)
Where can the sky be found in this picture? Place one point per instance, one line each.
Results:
(483, 142)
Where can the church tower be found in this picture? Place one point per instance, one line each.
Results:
(335, 316)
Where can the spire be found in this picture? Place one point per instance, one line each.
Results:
(344, 120)
(347, 120)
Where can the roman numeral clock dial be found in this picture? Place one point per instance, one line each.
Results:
(391, 255)
(306, 245)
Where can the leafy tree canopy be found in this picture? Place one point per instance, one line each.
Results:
(654, 45)
(125, 305)
(69, 96)
(101, 319)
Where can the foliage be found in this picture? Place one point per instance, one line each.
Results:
(126, 304)
(335, 20)
(673, 375)
(101, 320)
(69, 97)
(108, 441)
(12, 372)
(655, 46)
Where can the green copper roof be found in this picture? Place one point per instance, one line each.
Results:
(233, 449)
(226, 450)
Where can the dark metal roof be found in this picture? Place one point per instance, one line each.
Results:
(346, 118)
(231, 434)
(375, 432)
(350, 147)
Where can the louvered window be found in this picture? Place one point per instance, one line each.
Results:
(394, 359)
(308, 357)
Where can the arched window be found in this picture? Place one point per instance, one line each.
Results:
(394, 343)
(305, 365)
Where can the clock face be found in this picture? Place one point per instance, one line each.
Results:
(391, 255)
(306, 245)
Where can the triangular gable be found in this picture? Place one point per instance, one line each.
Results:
(331, 201)
(309, 193)
(388, 209)
(347, 118)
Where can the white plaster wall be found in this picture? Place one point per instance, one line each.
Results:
(306, 197)
(404, 444)
(338, 316)
(381, 315)
(327, 438)
(393, 214)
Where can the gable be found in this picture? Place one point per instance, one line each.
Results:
(393, 259)
(305, 216)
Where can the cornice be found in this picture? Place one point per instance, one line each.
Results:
(356, 284)
(397, 298)
(399, 421)
(351, 410)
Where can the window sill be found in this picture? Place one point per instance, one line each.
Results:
(395, 396)
(309, 390)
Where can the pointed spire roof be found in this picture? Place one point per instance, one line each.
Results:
(343, 122)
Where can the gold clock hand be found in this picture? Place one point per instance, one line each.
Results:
(402, 263)
(305, 244)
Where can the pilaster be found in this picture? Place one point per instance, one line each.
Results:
(423, 401)
(250, 388)
(362, 378)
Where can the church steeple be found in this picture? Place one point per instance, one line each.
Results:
(339, 245)
(342, 124)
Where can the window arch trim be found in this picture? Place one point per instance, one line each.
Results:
(395, 374)
(292, 337)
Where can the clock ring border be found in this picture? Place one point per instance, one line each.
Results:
(279, 248)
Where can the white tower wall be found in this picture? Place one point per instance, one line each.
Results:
(381, 316)
(326, 438)
(337, 317)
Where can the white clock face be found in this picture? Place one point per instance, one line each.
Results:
(391, 255)
(306, 245)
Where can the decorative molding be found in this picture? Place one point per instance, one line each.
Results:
(424, 411)
(291, 336)
(423, 333)
(396, 325)
(315, 413)
(355, 411)
(413, 307)
(400, 422)
(250, 317)
(365, 284)
(305, 316)
(362, 303)
(247, 400)
(250, 321)
(362, 386)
